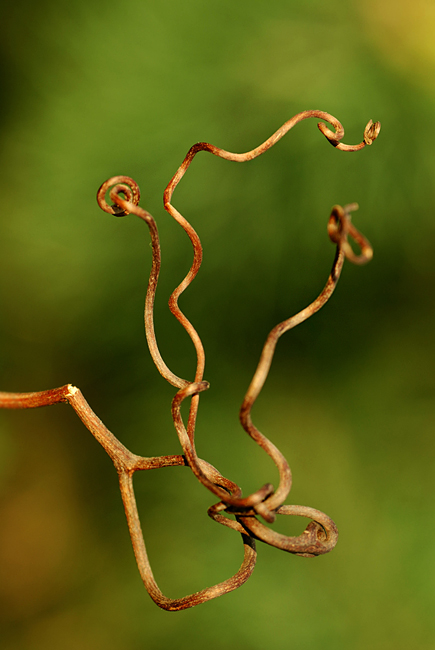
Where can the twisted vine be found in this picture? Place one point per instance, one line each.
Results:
(320, 535)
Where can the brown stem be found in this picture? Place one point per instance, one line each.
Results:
(320, 536)
(128, 187)
(371, 132)
(236, 581)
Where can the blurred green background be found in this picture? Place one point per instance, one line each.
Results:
(90, 90)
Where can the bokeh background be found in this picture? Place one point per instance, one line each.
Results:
(94, 89)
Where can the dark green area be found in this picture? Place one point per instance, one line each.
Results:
(90, 90)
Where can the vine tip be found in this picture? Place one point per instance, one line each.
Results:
(371, 132)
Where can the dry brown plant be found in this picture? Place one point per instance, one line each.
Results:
(320, 535)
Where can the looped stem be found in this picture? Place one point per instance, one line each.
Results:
(371, 132)
(118, 185)
(319, 537)
(340, 227)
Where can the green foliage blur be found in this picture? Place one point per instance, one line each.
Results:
(94, 89)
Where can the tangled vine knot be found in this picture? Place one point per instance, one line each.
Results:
(320, 535)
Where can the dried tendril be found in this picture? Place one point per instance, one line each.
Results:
(320, 535)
